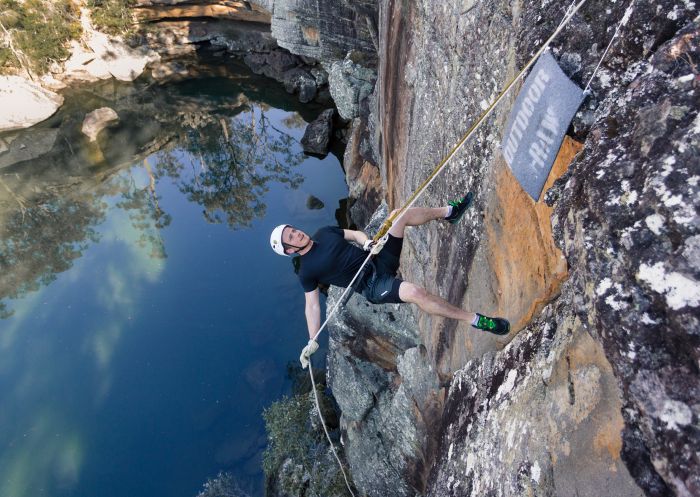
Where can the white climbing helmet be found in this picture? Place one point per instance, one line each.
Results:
(276, 240)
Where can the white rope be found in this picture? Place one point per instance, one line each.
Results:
(325, 430)
(566, 13)
(623, 22)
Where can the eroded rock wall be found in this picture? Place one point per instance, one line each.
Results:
(598, 393)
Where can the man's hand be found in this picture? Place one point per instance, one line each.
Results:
(306, 352)
(367, 246)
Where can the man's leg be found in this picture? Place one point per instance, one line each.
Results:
(415, 216)
(432, 304)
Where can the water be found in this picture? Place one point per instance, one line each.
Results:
(147, 322)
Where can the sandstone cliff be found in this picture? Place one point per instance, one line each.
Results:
(597, 391)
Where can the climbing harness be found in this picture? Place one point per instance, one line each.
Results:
(382, 235)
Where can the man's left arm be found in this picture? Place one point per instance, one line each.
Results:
(355, 236)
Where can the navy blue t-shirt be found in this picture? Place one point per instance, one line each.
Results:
(331, 261)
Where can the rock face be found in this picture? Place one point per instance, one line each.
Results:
(596, 390)
(629, 226)
(318, 134)
(542, 417)
(350, 84)
(325, 30)
(361, 172)
(373, 353)
(24, 103)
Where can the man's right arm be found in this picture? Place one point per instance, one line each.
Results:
(313, 312)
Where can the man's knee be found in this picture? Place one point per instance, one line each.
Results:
(398, 225)
(409, 292)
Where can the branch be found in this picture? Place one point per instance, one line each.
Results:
(20, 201)
(17, 54)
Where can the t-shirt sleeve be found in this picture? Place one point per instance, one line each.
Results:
(331, 230)
(308, 284)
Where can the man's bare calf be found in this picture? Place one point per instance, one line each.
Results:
(432, 304)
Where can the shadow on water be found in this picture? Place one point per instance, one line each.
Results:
(53, 180)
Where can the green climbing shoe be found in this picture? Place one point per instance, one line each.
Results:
(459, 207)
(497, 326)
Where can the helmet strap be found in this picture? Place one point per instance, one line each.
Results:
(298, 248)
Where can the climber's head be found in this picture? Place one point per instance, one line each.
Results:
(287, 240)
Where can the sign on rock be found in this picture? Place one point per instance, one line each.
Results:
(538, 122)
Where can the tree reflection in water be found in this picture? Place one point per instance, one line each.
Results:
(222, 163)
(42, 238)
(237, 160)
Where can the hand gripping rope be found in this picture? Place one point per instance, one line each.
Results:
(381, 237)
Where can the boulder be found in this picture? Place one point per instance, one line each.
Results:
(24, 103)
(318, 134)
(273, 64)
(123, 62)
(97, 120)
(85, 66)
(350, 84)
(320, 75)
(26, 145)
(314, 203)
(299, 81)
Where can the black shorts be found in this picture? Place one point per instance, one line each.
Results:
(381, 286)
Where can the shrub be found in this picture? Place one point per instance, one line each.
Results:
(288, 433)
(298, 460)
(224, 485)
(39, 30)
(112, 16)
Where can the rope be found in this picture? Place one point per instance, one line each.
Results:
(325, 429)
(566, 13)
(623, 22)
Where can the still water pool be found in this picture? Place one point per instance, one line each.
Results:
(146, 322)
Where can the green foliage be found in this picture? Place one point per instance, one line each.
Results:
(288, 432)
(40, 30)
(234, 174)
(6, 57)
(112, 16)
(298, 460)
(224, 485)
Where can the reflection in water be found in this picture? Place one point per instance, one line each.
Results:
(41, 237)
(222, 158)
(145, 212)
(160, 332)
(236, 160)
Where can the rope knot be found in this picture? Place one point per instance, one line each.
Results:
(379, 245)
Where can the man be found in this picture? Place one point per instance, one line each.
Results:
(330, 259)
